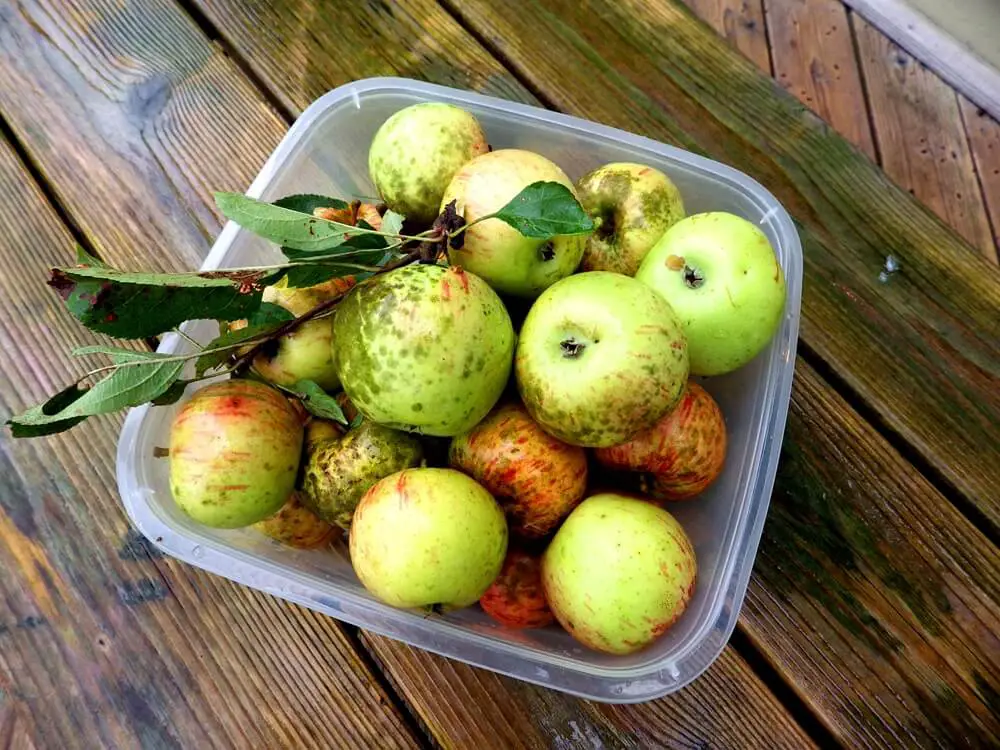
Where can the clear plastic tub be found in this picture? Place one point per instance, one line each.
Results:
(326, 152)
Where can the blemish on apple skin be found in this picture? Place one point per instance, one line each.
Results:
(674, 263)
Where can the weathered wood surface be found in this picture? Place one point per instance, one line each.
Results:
(814, 59)
(742, 24)
(919, 351)
(464, 707)
(104, 642)
(921, 136)
(984, 140)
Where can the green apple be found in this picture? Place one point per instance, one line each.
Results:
(511, 263)
(600, 358)
(415, 153)
(428, 538)
(618, 573)
(721, 275)
(305, 353)
(632, 205)
(235, 448)
(424, 348)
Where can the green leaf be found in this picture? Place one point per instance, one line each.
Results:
(117, 355)
(317, 401)
(268, 314)
(307, 202)
(268, 318)
(392, 223)
(356, 422)
(129, 385)
(140, 305)
(544, 210)
(172, 395)
(289, 228)
(53, 406)
(86, 259)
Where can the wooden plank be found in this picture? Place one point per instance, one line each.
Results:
(871, 594)
(984, 142)
(921, 137)
(920, 349)
(814, 59)
(105, 644)
(465, 707)
(741, 22)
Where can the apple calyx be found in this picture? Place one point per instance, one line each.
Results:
(547, 252)
(693, 278)
(571, 348)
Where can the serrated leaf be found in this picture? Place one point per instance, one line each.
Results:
(117, 355)
(54, 405)
(269, 317)
(317, 401)
(140, 305)
(308, 202)
(126, 386)
(86, 259)
(392, 223)
(544, 210)
(172, 395)
(290, 229)
(268, 314)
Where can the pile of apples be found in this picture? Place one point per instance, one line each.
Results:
(527, 468)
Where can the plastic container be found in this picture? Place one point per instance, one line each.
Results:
(326, 152)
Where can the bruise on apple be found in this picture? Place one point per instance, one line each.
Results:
(535, 477)
(682, 454)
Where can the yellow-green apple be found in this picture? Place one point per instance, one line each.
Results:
(722, 277)
(428, 538)
(535, 477)
(416, 151)
(235, 448)
(632, 205)
(600, 358)
(512, 263)
(618, 573)
(338, 472)
(516, 598)
(679, 456)
(305, 353)
(297, 526)
(424, 348)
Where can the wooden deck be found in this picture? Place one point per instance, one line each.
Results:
(873, 615)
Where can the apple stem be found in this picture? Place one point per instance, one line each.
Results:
(693, 277)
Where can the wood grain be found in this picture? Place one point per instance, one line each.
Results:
(104, 643)
(741, 23)
(727, 707)
(871, 595)
(984, 142)
(919, 351)
(921, 137)
(814, 59)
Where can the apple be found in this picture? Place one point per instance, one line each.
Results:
(415, 153)
(511, 263)
(423, 348)
(297, 526)
(234, 451)
(338, 472)
(600, 358)
(535, 477)
(618, 573)
(306, 352)
(516, 598)
(632, 205)
(679, 456)
(428, 537)
(721, 275)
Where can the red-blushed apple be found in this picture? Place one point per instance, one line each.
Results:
(679, 456)
(632, 205)
(416, 151)
(510, 262)
(535, 477)
(428, 537)
(297, 526)
(618, 573)
(721, 276)
(600, 358)
(516, 598)
(235, 448)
